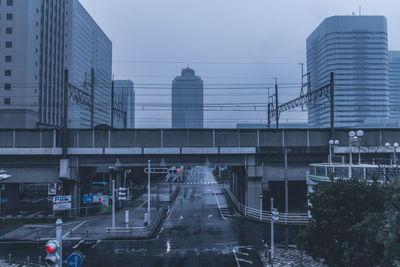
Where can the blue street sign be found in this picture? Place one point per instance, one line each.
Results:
(100, 183)
(4, 200)
(87, 198)
(75, 259)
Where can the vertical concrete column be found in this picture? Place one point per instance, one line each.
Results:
(254, 182)
(74, 190)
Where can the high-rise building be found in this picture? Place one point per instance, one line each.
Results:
(355, 48)
(124, 103)
(394, 84)
(187, 100)
(41, 39)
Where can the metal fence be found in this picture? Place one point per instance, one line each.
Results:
(265, 216)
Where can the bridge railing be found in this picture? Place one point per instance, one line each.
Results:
(117, 138)
(265, 216)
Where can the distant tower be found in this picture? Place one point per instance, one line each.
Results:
(187, 100)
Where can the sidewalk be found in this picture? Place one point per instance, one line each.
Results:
(95, 227)
(289, 258)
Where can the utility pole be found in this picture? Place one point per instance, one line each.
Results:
(148, 192)
(269, 111)
(113, 206)
(286, 199)
(65, 113)
(59, 227)
(332, 101)
(92, 99)
(272, 231)
(112, 104)
(276, 103)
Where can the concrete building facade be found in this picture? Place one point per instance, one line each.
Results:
(40, 40)
(124, 100)
(187, 100)
(355, 48)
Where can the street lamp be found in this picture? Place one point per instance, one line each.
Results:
(116, 167)
(332, 144)
(355, 138)
(395, 146)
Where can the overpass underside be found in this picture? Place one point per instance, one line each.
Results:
(256, 157)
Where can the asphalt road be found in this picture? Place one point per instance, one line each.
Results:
(199, 231)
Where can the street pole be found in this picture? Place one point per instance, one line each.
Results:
(272, 231)
(113, 206)
(286, 199)
(261, 208)
(59, 228)
(148, 192)
(276, 104)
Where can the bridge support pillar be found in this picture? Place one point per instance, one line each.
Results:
(254, 186)
(74, 190)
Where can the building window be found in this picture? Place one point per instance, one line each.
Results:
(9, 30)
(7, 72)
(7, 101)
(8, 44)
(7, 86)
(8, 58)
(10, 2)
(9, 16)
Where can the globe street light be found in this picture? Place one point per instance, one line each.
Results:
(332, 144)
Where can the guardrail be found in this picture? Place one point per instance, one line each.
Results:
(265, 216)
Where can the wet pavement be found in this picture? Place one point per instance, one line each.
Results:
(199, 231)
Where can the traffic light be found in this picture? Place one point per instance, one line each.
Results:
(179, 171)
(53, 258)
(122, 193)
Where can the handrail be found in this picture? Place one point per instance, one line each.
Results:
(265, 216)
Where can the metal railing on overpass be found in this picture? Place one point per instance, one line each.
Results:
(265, 216)
(186, 138)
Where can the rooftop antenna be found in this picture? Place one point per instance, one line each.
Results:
(359, 10)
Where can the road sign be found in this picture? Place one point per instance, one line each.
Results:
(156, 170)
(260, 196)
(88, 198)
(52, 189)
(99, 183)
(62, 202)
(75, 259)
(4, 200)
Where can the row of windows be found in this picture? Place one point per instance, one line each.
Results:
(9, 16)
(9, 2)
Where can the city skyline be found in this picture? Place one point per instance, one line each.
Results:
(214, 44)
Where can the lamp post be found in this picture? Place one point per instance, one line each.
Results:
(331, 145)
(351, 135)
(395, 146)
(360, 134)
(115, 167)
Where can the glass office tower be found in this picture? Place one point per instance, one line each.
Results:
(187, 100)
(394, 85)
(355, 48)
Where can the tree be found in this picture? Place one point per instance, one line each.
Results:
(347, 216)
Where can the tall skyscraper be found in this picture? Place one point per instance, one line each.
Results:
(355, 48)
(41, 39)
(187, 100)
(124, 100)
(394, 85)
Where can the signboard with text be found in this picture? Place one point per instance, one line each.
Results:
(62, 203)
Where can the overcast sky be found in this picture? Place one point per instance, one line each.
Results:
(230, 44)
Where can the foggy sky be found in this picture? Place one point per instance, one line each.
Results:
(218, 38)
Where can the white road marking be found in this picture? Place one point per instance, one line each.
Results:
(234, 253)
(97, 242)
(73, 229)
(77, 245)
(246, 261)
